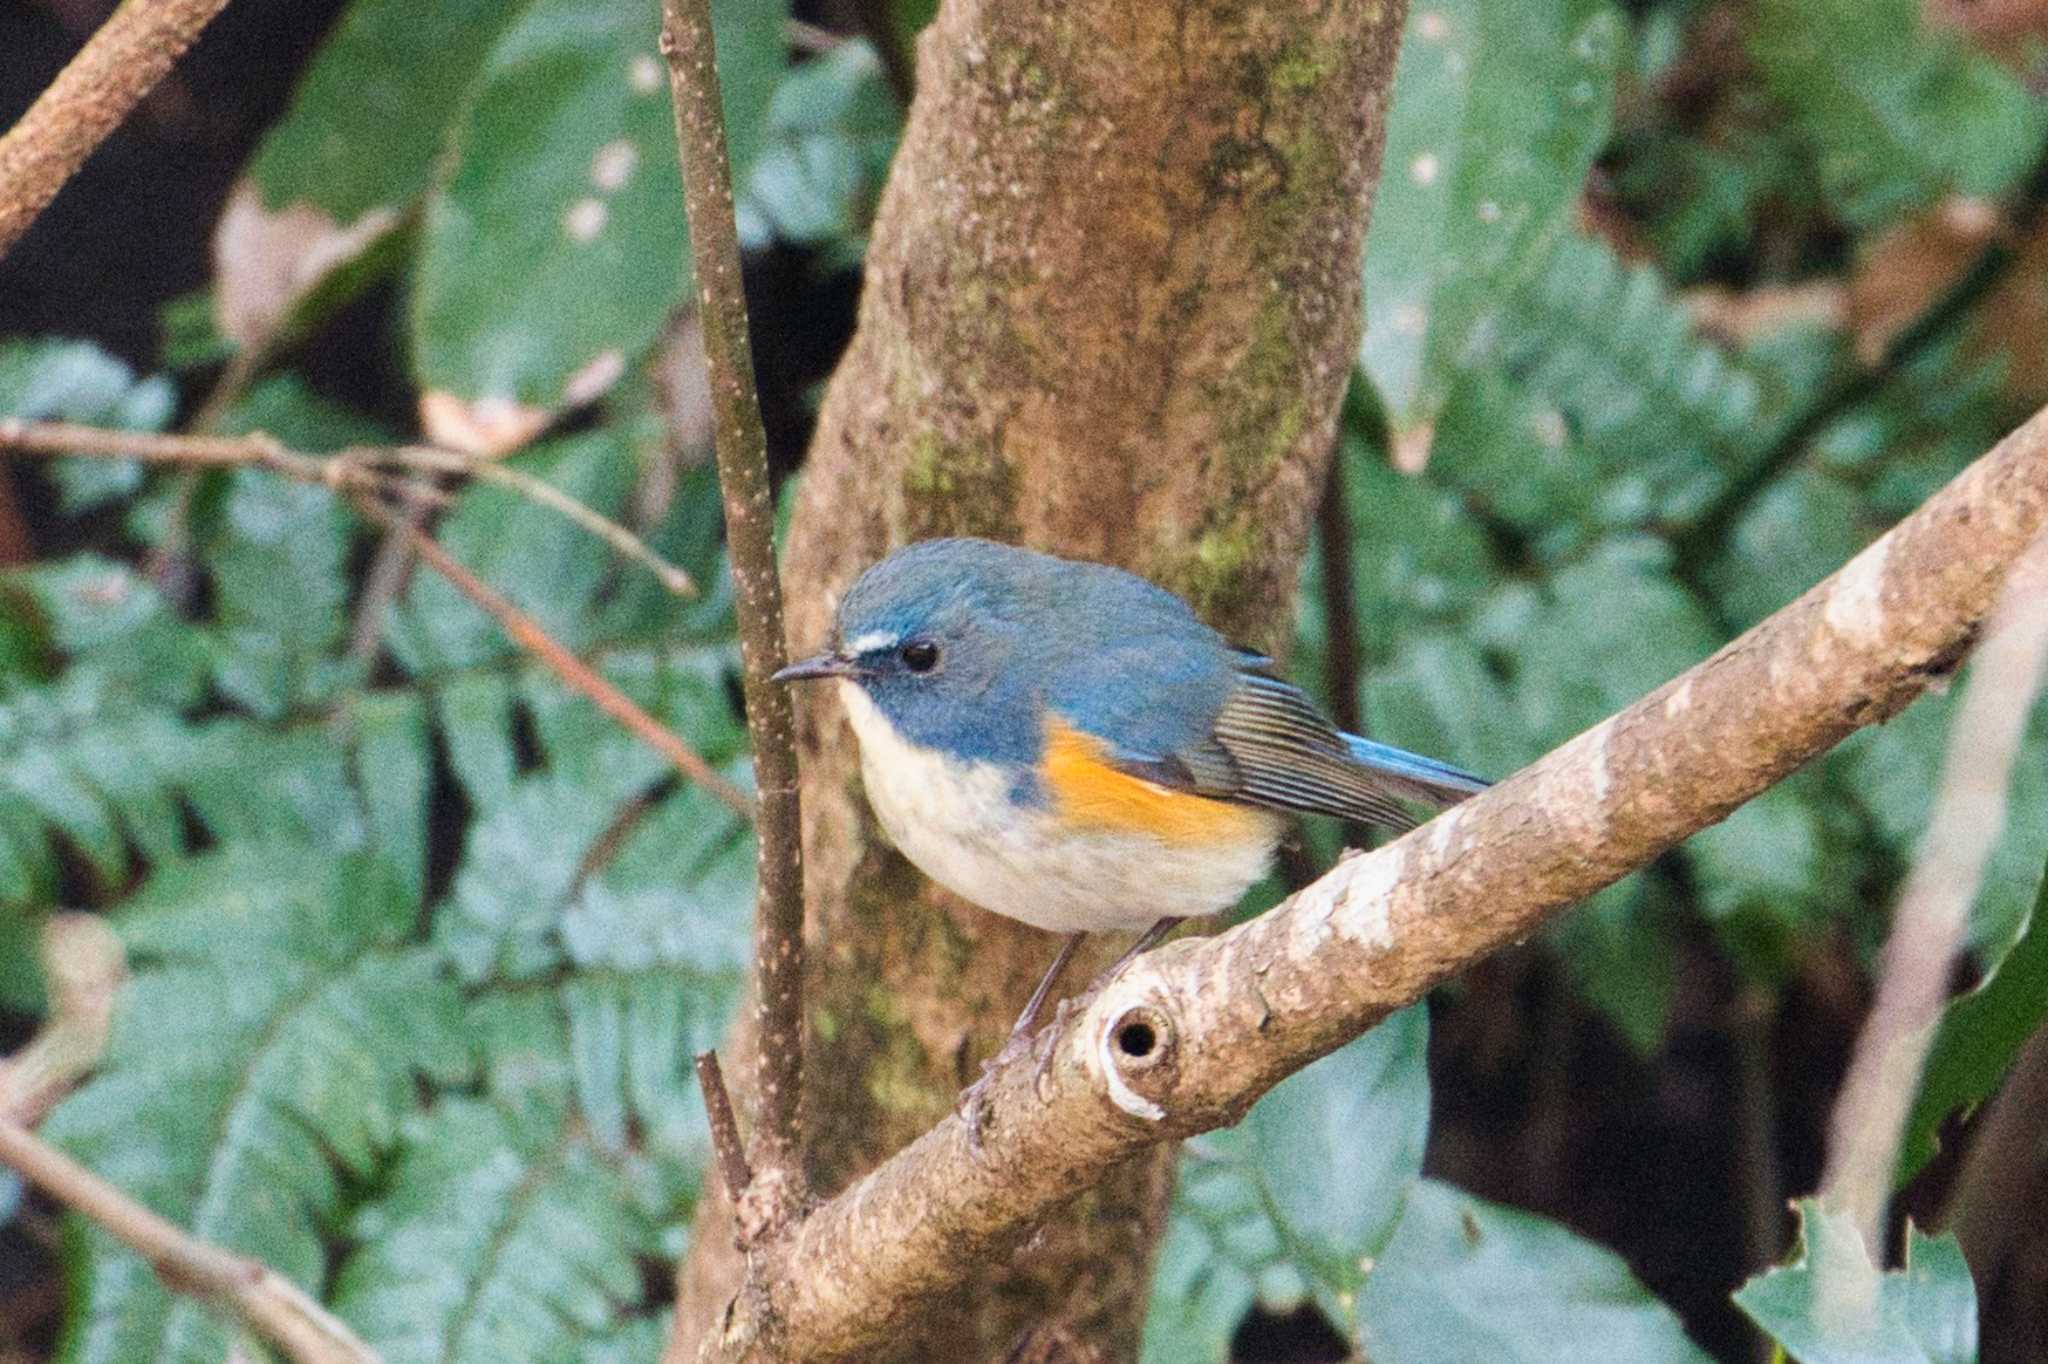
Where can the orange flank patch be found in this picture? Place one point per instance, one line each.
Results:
(1090, 792)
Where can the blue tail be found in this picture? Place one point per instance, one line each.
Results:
(1414, 777)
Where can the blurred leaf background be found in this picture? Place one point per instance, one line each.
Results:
(1672, 306)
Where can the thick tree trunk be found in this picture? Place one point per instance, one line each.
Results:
(1111, 306)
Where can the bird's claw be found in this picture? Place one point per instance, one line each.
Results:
(972, 1105)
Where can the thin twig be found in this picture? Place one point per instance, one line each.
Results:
(742, 451)
(390, 571)
(270, 1304)
(574, 672)
(1934, 908)
(726, 1145)
(539, 490)
(368, 467)
(68, 438)
(88, 100)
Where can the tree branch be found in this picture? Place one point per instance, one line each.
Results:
(1190, 1035)
(88, 100)
(1934, 907)
(271, 1305)
(742, 451)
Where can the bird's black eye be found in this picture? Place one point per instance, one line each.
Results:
(919, 655)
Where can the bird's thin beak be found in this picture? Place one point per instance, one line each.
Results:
(823, 665)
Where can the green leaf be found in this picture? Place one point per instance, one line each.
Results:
(371, 112)
(1299, 1201)
(521, 862)
(319, 211)
(1832, 1306)
(21, 979)
(1620, 946)
(394, 769)
(1497, 112)
(1897, 111)
(279, 569)
(1418, 559)
(832, 130)
(1438, 696)
(1465, 1279)
(1614, 627)
(75, 381)
(1978, 1037)
(1801, 528)
(474, 714)
(267, 1043)
(1662, 416)
(553, 247)
(247, 781)
(496, 1239)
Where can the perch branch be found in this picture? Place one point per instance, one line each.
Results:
(271, 1305)
(1934, 907)
(741, 447)
(90, 97)
(1190, 1035)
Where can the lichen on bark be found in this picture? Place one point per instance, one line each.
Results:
(1110, 306)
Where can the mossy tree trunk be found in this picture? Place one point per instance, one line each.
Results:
(1111, 305)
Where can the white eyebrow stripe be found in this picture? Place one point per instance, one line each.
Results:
(872, 640)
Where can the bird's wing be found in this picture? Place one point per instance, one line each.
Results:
(1270, 746)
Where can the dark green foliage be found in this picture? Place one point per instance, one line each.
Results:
(1298, 1202)
(422, 943)
(1832, 1306)
(1464, 1279)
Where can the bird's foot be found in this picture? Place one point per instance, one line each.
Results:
(972, 1105)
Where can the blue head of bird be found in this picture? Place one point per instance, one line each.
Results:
(1007, 704)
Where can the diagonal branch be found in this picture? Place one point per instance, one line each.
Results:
(1188, 1037)
(268, 1303)
(742, 450)
(109, 76)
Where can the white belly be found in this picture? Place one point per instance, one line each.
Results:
(955, 820)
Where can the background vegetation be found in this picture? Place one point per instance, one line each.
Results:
(1671, 307)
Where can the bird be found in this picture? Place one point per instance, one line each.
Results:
(1066, 744)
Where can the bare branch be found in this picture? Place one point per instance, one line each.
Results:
(270, 1304)
(543, 493)
(1934, 908)
(88, 100)
(1190, 1035)
(374, 468)
(742, 450)
(726, 1145)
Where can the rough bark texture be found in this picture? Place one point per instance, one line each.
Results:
(1110, 308)
(1191, 1035)
(88, 100)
